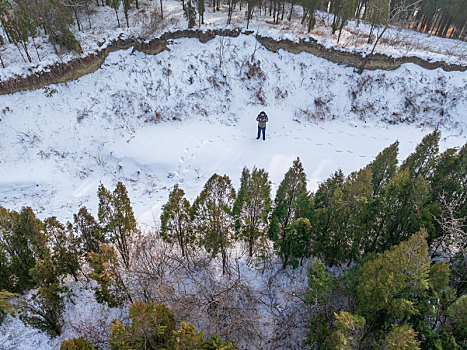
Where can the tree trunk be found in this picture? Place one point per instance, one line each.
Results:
(1, 61)
(291, 11)
(118, 20)
(25, 47)
(77, 18)
(162, 10)
(35, 46)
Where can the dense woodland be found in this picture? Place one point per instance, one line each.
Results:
(384, 248)
(23, 20)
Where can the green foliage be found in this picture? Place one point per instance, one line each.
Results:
(252, 206)
(296, 244)
(218, 343)
(5, 304)
(212, 216)
(391, 284)
(117, 219)
(25, 245)
(176, 222)
(320, 283)
(401, 337)
(348, 331)
(186, 338)
(422, 161)
(287, 207)
(65, 251)
(106, 272)
(77, 344)
(439, 276)
(152, 327)
(457, 314)
(88, 230)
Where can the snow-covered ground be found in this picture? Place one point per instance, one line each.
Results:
(100, 28)
(59, 143)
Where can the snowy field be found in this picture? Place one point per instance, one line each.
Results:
(180, 116)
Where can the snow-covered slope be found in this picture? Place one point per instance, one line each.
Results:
(180, 116)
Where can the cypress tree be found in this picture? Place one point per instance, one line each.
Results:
(212, 216)
(117, 219)
(286, 208)
(175, 220)
(252, 206)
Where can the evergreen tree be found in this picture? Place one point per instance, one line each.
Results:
(65, 248)
(422, 161)
(296, 244)
(348, 332)
(77, 344)
(111, 287)
(88, 230)
(117, 219)
(25, 244)
(175, 220)
(402, 212)
(384, 167)
(252, 206)
(401, 337)
(152, 326)
(212, 216)
(391, 285)
(286, 208)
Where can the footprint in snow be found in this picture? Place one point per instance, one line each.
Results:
(318, 144)
(349, 152)
(309, 139)
(339, 151)
(330, 144)
(362, 156)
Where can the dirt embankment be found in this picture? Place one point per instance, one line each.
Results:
(78, 67)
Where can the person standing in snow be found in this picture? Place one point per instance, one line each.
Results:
(262, 119)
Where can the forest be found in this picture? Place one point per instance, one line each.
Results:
(384, 250)
(21, 21)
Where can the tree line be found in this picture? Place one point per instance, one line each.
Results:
(22, 20)
(381, 225)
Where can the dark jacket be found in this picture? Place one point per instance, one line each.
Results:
(262, 120)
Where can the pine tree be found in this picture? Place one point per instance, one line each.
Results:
(117, 219)
(252, 206)
(212, 216)
(175, 220)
